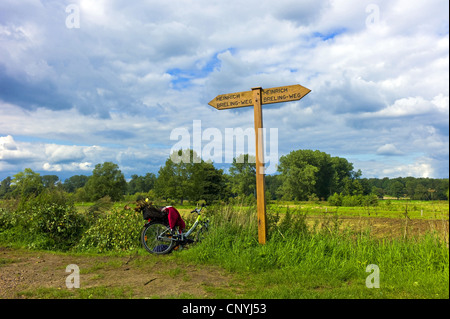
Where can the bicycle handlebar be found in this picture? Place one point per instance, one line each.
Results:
(198, 210)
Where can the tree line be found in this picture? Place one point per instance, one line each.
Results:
(302, 175)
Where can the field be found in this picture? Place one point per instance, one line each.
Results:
(313, 251)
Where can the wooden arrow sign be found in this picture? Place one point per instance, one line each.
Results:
(232, 100)
(258, 97)
(269, 96)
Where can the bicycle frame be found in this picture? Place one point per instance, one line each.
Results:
(184, 234)
(197, 221)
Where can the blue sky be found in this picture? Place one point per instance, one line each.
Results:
(114, 87)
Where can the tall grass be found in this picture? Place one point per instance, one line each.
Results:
(323, 256)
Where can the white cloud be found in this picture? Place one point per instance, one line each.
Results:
(11, 151)
(420, 168)
(406, 107)
(388, 149)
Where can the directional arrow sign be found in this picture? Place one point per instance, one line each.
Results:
(258, 97)
(283, 94)
(269, 96)
(232, 100)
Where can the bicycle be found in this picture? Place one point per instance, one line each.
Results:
(158, 238)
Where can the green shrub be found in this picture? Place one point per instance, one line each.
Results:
(7, 219)
(115, 230)
(353, 200)
(47, 221)
(57, 226)
(335, 199)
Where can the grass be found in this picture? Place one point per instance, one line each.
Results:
(304, 257)
(386, 208)
(322, 261)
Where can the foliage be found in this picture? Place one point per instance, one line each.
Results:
(106, 179)
(302, 175)
(186, 176)
(5, 187)
(141, 184)
(353, 200)
(74, 183)
(116, 230)
(243, 175)
(27, 184)
(324, 255)
(307, 173)
(48, 221)
(59, 226)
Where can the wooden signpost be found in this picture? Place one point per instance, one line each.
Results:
(258, 97)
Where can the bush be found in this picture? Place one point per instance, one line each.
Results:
(52, 226)
(353, 200)
(335, 199)
(7, 219)
(115, 230)
(58, 226)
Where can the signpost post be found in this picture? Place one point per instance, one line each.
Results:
(258, 97)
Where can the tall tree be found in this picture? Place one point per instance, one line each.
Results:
(49, 181)
(212, 183)
(190, 178)
(243, 175)
(307, 173)
(397, 189)
(75, 182)
(175, 179)
(273, 183)
(141, 184)
(106, 180)
(5, 187)
(26, 184)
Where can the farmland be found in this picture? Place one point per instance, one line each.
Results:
(314, 250)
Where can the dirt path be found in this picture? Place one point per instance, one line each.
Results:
(31, 274)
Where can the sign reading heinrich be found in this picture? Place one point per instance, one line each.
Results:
(269, 96)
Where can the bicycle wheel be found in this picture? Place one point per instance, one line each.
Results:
(157, 239)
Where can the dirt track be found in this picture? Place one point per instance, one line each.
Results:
(30, 274)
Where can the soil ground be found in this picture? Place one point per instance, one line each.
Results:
(37, 274)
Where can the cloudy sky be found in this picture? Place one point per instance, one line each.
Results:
(83, 82)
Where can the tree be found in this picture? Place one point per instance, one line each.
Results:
(397, 189)
(75, 182)
(49, 181)
(243, 175)
(27, 184)
(212, 181)
(5, 187)
(307, 173)
(273, 183)
(106, 180)
(141, 184)
(191, 178)
(166, 184)
(176, 178)
(420, 192)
